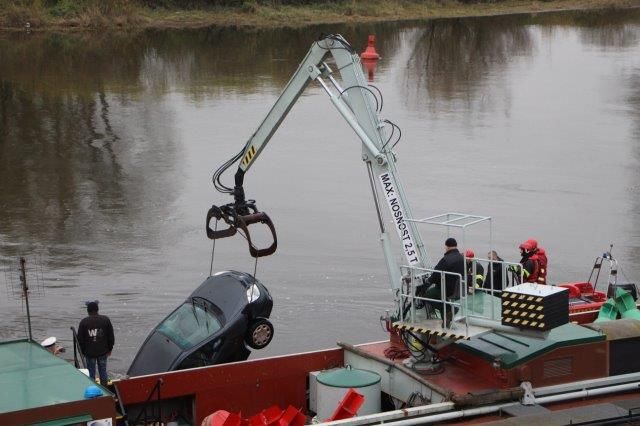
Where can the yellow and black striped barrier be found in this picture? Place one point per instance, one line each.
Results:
(535, 307)
(445, 334)
(249, 156)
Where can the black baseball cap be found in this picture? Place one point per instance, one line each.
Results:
(92, 306)
(451, 242)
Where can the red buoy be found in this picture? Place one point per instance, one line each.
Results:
(222, 418)
(370, 51)
(370, 66)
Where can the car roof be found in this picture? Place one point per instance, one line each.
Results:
(226, 291)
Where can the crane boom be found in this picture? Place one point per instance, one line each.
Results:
(353, 100)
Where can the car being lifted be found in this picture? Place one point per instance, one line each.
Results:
(224, 315)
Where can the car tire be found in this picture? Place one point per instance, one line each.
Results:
(259, 333)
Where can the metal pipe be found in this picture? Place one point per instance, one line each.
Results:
(493, 408)
(391, 415)
(25, 293)
(602, 389)
(585, 384)
(392, 267)
(493, 310)
(347, 114)
(586, 393)
(75, 349)
(452, 415)
(436, 408)
(375, 196)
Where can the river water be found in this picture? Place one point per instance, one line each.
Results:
(108, 143)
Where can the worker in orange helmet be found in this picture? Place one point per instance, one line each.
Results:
(534, 262)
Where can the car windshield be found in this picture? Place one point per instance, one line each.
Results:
(190, 324)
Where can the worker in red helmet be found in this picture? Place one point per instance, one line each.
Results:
(475, 271)
(534, 262)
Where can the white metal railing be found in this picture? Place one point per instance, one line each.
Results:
(452, 219)
(457, 221)
(506, 269)
(467, 298)
(447, 304)
(471, 302)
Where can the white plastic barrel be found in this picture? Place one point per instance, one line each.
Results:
(334, 384)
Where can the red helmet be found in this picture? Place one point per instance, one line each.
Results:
(529, 245)
(469, 254)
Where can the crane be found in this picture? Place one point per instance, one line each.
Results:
(359, 106)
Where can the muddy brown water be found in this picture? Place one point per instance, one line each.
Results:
(108, 143)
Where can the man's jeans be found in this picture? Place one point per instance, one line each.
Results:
(102, 368)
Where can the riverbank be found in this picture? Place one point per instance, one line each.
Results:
(126, 14)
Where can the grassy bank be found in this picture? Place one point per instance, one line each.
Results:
(96, 14)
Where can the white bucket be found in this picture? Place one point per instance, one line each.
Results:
(333, 385)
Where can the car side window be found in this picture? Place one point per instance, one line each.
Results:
(189, 325)
(202, 357)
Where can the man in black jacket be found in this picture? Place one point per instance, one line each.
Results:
(453, 262)
(95, 336)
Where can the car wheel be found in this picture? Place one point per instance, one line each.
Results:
(259, 334)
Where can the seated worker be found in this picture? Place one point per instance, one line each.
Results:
(494, 273)
(474, 279)
(533, 262)
(453, 262)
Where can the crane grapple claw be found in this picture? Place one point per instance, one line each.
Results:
(260, 217)
(229, 213)
(217, 213)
